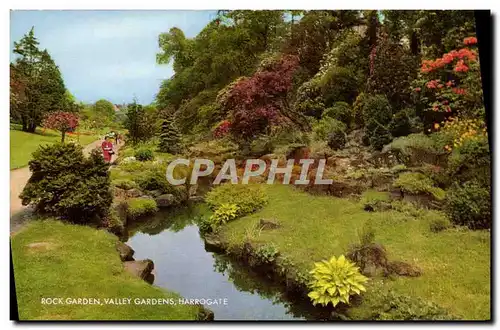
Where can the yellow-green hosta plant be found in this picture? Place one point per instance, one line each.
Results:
(223, 214)
(334, 281)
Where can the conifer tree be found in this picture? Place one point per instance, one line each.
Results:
(169, 137)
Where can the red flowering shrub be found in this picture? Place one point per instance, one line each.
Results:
(450, 85)
(61, 121)
(258, 102)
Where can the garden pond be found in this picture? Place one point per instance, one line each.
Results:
(183, 263)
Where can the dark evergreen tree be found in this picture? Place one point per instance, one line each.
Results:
(42, 85)
(169, 137)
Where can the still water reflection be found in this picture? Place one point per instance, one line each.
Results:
(182, 264)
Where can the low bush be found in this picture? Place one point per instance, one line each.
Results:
(249, 197)
(204, 225)
(407, 208)
(405, 122)
(267, 254)
(438, 224)
(469, 205)
(144, 154)
(340, 111)
(223, 214)
(125, 184)
(418, 149)
(418, 183)
(66, 183)
(334, 281)
(339, 84)
(140, 207)
(393, 306)
(377, 114)
(375, 200)
(155, 179)
(325, 126)
(311, 107)
(337, 138)
(471, 161)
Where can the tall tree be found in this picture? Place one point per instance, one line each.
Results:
(43, 86)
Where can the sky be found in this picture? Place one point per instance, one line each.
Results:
(107, 54)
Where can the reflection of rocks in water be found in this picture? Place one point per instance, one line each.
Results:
(174, 219)
(248, 280)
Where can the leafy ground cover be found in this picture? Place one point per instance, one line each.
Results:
(53, 259)
(455, 262)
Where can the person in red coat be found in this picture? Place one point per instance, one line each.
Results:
(107, 149)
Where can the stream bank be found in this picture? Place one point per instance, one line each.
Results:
(185, 264)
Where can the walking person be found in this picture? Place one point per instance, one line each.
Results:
(107, 149)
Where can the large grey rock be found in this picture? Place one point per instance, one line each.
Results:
(165, 200)
(126, 252)
(133, 193)
(196, 199)
(139, 268)
(154, 193)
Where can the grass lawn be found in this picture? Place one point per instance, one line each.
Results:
(23, 144)
(455, 263)
(81, 262)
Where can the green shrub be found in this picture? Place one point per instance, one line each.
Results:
(417, 183)
(133, 166)
(375, 200)
(249, 197)
(204, 225)
(124, 184)
(334, 281)
(325, 126)
(66, 183)
(407, 208)
(144, 154)
(140, 207)
(438, 224)
(392, 72)
(471, 161)
(393, 306)
(339, 84)
(405, 122)
(311, 107)
(267, 254)
(263, 144)
(223, 214)
(309, 100)
(337, 138)
(469, 205)
(377, 114)
(155, 179)
(418, 149)
(340, 111)
(357, 109)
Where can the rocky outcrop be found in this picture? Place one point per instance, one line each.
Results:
(205, 314)
(124, 194)
(404, 269)
(125, 251)
(165, 200)
(267, 224)
(139, 268)
(196, 199)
